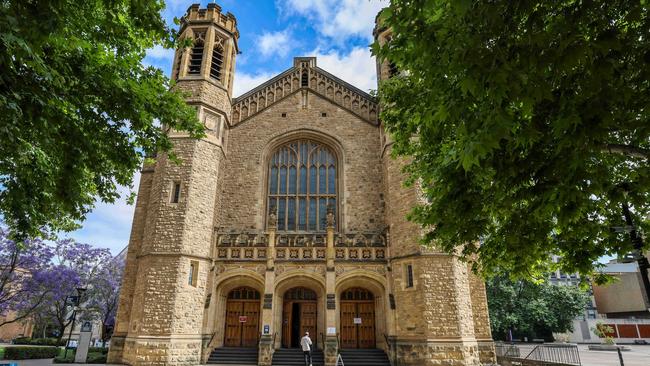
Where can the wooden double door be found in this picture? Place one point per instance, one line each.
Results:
(357, 319)
(299, 315)
(242, 318)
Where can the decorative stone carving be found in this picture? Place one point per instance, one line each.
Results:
(330, 217)
(273, 218)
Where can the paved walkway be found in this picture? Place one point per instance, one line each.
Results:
(638, 356)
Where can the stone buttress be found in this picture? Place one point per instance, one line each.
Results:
(160, 313)
(439, 306)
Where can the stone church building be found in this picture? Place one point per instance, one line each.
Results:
(289, 216)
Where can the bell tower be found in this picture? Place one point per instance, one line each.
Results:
(164, 289)
(440, 307)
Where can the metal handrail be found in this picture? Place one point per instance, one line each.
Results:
(211, 338)
(555, 353)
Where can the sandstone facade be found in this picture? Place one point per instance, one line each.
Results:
(217, 253)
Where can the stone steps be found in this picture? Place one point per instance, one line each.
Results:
(295, 357)
(364, 357)
(233, 356)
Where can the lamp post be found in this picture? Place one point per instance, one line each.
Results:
(75, 300)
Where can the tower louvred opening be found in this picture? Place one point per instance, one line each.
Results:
(196, 58)
(217, 63)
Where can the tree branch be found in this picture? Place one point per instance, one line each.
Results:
(634, 151)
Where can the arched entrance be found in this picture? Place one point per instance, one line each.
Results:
(299, 315)
(357, 318)
(242, 318)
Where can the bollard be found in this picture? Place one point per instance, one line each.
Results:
(620, 356)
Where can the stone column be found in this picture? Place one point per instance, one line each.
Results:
(331, 342)
(266, 347)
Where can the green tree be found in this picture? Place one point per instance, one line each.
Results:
(78, 110)
(526, 124)
(533, 310)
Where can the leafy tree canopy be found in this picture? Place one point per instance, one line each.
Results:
(533, 310)
(78, 110)
(526, 124)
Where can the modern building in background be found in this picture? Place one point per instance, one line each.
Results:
(620, 305)
(289, 216)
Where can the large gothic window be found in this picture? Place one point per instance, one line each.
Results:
(302, 184)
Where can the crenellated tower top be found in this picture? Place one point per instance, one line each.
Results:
(211, 57)
(211, 15)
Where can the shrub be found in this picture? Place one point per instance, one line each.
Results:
(21, 340)
(28, 353)
(102, 350)
(96, 357)
(39, 341)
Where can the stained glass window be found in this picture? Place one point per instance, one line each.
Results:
(302, 184)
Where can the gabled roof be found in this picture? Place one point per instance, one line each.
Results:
(305, 75)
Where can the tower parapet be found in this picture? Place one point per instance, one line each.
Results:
(211, 57)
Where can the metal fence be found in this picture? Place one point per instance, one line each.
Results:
(543, 354)
(565, 354)
(507, 350)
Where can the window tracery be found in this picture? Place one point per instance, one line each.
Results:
(302, 184)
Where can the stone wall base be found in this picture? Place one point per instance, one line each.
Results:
(158, 351)
(486, 352)
(430, 353)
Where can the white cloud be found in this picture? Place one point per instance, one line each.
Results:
(356, 67)
(158, 52)
(337, 19)
(109, 224)
(245, 82)
(275, 43)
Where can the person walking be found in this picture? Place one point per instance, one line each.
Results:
(305, 342)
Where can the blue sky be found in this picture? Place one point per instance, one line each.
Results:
(337, 32)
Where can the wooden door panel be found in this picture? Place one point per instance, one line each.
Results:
(233, 328)
(286, 324)
(366, 330)
(348, 328)
(251, 326)
(308, 319)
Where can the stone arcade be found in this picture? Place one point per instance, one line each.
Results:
(288, 216)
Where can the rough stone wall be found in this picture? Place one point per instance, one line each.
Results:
(244, 183)
(175, 235)
(127, 289)
(480, 308)
(400, 200)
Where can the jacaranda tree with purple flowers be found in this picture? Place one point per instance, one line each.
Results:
(74, 265)
(26, 277)
(103, 295)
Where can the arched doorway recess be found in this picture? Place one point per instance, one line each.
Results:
(242, 318)
(299, 315)
(357, 318)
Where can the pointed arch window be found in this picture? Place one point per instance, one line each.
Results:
(302, 183)
(217, 62)
(196, 56)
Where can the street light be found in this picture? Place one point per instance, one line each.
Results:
(75, 301)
